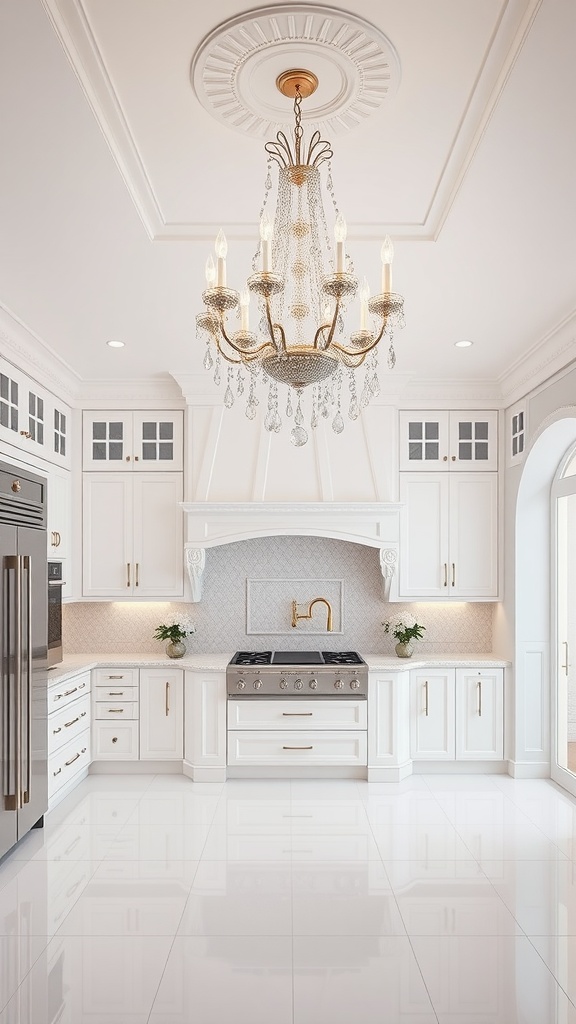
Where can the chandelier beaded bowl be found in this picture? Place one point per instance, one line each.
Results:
(304, 290)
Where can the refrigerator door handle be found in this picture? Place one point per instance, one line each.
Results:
(12, 624)
(27, 569)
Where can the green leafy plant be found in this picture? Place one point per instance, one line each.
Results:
(176, 629)
(404, 627)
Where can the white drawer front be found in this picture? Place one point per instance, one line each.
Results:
(297, 714)
(115, 710)
(115, 741)
(67, 761)
(111, 677)
(64, 693)
(118, 692)
(297, 748)
(65, 725)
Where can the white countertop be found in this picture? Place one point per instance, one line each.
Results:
(217, 662)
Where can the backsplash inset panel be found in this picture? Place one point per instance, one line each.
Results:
(220, 618)
(269, 606)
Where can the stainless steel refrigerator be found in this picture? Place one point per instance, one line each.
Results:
(23, 653)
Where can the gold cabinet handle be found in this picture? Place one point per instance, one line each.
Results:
(74, 720)
(115, 711)
(167, 699)
(115, 677)
(67, 693)
(137, 574)
(426, 698)
(115, 693)
(453, 574)
(75, 758)
(298, 748)
(565, 666)
(445, 574)
(57, 539)
(127, 574)
(297, 714)
(480, 698)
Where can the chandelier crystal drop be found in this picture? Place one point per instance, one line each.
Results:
(305, 289)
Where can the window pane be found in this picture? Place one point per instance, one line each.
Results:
(98, 431)
(465, 431)
(3, 386)
(481, 431)
(521, 421)
(13, 419)
(465, 451)
(115, 431)
(514, 446)
(56, 419)
(40, 408)
(14, 390)
(149, 431)
(166, 431)
(3, 414)
(115, 451)
(149, 451)
(31, 403)
(62, 446)
(414, 431)
(165, 450)
(62, 423)
(32, 428)
(98, 451)
(415, 452)
(431, 451)
(514, 424)
(431, 431)
(481, 451)
(40, 437)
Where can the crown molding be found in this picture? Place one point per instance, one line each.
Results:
(553, 353)
(27, 351)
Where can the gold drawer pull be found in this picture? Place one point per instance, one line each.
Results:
(298, 748)
(74, 720)
(68, 693)
(75, 758)
(116, 711)
(297, 714)
(115, 677)
(115, 693)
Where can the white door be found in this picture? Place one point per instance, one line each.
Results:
(158, 560)
(107, 441)
(424, 441)
(432, 721)
(158, 441)
(479, 714)
(107, 561)
(161, 714)
(424, 560)
(473, 560)
(473, 440)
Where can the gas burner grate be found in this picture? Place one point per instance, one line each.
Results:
(252, 658)
(341, 658)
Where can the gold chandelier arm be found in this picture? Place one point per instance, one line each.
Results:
(366, 349)
(273, 327)
(330, 339)
(353, 359)
(228, 359)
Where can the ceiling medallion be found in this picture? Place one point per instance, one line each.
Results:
(234, 67)
(303, 285)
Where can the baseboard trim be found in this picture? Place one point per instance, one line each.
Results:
(529, 769)
(135, 768)
(204, 774)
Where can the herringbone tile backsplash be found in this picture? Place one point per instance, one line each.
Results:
(220, 618)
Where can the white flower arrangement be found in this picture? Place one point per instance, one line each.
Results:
(176, 628)
(404, 627)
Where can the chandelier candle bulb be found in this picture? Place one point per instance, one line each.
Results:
(387, 255)
(364, 296)
(266, 231)
(221, 247)
(340, 237)
(210, 272)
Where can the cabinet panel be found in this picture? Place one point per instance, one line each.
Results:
(158, 535)
(205, 717)
(424, 440)
(107, 546)
(473, 440)
(297, 748)
(432, 715)
(297, 714)
(107, 440)
(161, 714)
(141, 441)
(65, 725)
(448, 441)
(473, 533)
(62, 694)
(158, 440)
(424, 533)
(115, 741)
(479, 714)
(115, 678)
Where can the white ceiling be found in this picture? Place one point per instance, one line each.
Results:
(114, 180)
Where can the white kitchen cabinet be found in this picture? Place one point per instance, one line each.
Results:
(457, 714)
(433, 725)
(388, 726)
(31, 418)
(263, 748)
(133, 535)
(479, 714)
(59, 521)
(69, 746)
(205, 726)
(138, 441)
(449, 536)
(449, 441)
(161, 714)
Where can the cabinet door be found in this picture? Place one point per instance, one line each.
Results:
(158, 559)
(205, 740)
(479, 714)
(107, 535)
(473, 440)
(107, 441)
(161, 714)
(424, 440)
(424, 556)
(59, 523)
(157, 441)
(432, 715)
(473, 535)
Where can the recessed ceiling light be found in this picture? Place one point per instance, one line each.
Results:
(463, 344)
(115, 344)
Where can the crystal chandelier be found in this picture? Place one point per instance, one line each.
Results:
(304, 287)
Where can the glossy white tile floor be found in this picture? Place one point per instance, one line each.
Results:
(152, 900)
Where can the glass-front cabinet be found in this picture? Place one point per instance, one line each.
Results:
(442, 440)
(32, 419)
(141, 441)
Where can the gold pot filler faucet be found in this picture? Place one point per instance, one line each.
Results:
(308, 615)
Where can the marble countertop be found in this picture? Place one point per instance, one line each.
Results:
(218, 661)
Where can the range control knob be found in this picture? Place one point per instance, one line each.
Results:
(313, 684)
(355, 684)
(298, 684)
(283, 684)
(338, 685)
(241, 685)
(257, 684)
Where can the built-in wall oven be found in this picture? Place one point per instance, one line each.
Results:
(55, 584)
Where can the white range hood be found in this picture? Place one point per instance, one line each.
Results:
(245, 483)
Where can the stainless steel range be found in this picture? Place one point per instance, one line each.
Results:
(307, 674)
